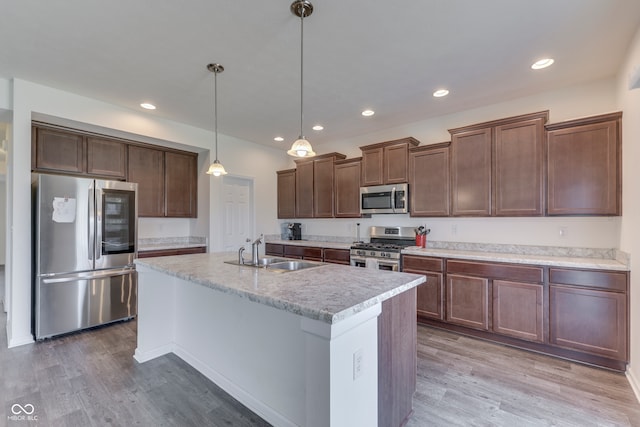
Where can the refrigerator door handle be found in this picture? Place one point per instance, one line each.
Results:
(91, 235)
(98, 218)
(88, 275)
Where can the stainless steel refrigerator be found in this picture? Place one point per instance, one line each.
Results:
(85, 241)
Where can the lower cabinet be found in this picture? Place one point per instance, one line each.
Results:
(169, 252)
(312, 253)
(337, 256)
(576, 314)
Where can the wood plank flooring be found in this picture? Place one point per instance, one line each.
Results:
(91, 379)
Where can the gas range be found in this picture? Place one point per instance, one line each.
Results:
(384, 248)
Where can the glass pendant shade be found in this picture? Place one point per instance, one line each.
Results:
(301, 148)
(216, 169)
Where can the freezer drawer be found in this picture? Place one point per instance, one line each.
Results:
(72, 302)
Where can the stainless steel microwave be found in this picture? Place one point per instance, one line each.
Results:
(383, 199)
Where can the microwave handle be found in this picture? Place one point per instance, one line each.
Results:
(393, 199)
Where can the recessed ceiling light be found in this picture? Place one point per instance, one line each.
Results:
(278, 139)
(543, 63)
(440, 93)
(368, 113)
(148, 106)
(318, 127)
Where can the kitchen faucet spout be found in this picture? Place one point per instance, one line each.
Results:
(255, 249)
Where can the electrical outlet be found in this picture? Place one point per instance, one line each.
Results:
(357, 364)
(563, 231)
(454, 229)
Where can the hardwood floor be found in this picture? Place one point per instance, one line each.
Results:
(91, 379)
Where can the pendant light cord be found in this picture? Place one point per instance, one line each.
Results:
(301, 67)
(215, 109)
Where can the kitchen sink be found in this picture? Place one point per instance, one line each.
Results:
(262, 262)
(293, 265)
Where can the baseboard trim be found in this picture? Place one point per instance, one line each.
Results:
(145, 356)
(633, 381)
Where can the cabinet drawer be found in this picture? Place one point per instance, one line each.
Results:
(412, 262)
(337, 256)
(274, 249)
(612, 280)
(304, 252)
(497, 271)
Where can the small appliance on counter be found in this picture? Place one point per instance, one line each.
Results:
(294, 231)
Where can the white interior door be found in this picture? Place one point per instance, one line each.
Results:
(238, 212)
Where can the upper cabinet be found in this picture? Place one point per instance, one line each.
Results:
(347, 188)
(286, 194)
(314, 186)
(584, 163)
(429, 180)
(167, 179)
(497, 167)
(386, 162)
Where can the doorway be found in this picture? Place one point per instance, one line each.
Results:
(238, 212)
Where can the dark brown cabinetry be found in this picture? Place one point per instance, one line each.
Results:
(429, 181)
(146, 167)
(347, 188)
(468, 301)
(57, 151)
(386, 162)
(170, 252)
(331, 255)
(106, 158)
(497, 167)
(589, 311)
(337, 256)
(311, 253)
(314, 196)
(584, 163)
(518, 309)
(180, 177)
(430, 294)
(286, 194)
(274, 249)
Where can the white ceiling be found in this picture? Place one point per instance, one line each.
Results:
(386, 55)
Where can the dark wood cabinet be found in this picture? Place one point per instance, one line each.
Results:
(170, 252)
(315, 186)
(468, 301)
(106, 157)
(584, 164)
(518, 309)
(146, 167)
(429, 181)
(519, 168)
(274, 249)
(311, 253)
(57, 151)
(181, 192)
(386, 162)
(286, 194)
(430, 294)
(337, 256)
(589, 311)
(323, 187)
(347, 188)
(471, 172)
(497, 167)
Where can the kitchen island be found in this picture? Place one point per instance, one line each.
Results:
(298, 347)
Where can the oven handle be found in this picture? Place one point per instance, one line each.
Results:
(394, 265)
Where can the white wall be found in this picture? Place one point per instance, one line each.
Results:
(585, 100)
(630, 227)
(32, 101)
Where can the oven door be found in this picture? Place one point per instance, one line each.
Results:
(377, 263)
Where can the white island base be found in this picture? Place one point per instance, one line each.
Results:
(289, 369)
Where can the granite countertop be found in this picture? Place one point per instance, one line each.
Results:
(329, 293)
(521, 258)
(162, 243)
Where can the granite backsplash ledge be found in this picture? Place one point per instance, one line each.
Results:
(153, 243)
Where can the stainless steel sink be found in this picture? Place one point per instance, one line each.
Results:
(262, 262)
(293, 265)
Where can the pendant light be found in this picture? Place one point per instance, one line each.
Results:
(301, 147)
(216, 168)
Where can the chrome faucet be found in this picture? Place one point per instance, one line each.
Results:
(240, 257)
(255, 249)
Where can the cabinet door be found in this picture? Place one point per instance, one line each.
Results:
(273, 249)
(518, 160)
(471, 173)
(347, 189)
(395, 166)
(468, 301)
(589, 320)
(518, 310)
(181, 190)
(429, 182)
(58, 151)
(372, 167)
(323, 188)
(106, 157)
(146, 167)
(584, 170)
(430, 295)
(304, 190)
(287, 194)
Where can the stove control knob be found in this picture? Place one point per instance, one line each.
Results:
(372, 253)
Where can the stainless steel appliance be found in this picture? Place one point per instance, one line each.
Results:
(383, 250)
(85, 241)
(381, 199)
(295, 231)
